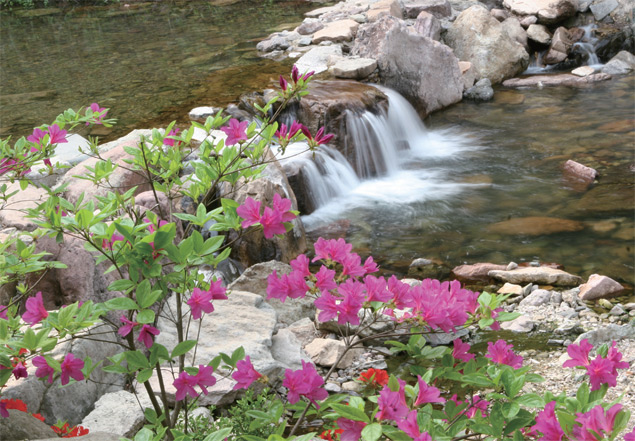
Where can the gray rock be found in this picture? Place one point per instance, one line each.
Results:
(287, 349)
(200, 114)
(428, 25)
(273, 43)
(556, 80)
(556, 298)
(444, 338)
(481, 91)
(601, 9)
(547, 11)
(309, 26)
(22, 426)
(254, 280)
(354, 68)
(539, 34)
(203, 412)
(423, 70)
(337, 31)
(528, 21)
(74, 401)
(539, 275)
(121, 407)
(92, 436)
(479, 38)
(536, 298)
(620, 64)
(438, 8)
(325, 352)
(617, 310)
(468, 74)
(317, 59)
(516, 31)
(561, 44)
(305, 41)
(333, 388)
(608, 333)
(304, 331)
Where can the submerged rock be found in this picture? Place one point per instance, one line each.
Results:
(481, 91)
(556, 80)
(535, 226)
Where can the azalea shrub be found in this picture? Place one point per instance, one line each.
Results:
(156, 254)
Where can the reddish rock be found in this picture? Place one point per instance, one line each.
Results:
(120, 180)
(477, 272)
(341, 30)
(599, 287)
(555, 80)
(580, 176)
(535, 226)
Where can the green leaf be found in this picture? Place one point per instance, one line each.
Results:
(183, 348)
(395, 434)
(393, 383)
(352, 413)
(259, 414)
(136, 360)
(144, 375)
(120, 285)
(145, 316)
(219, 435)
(530, 400)
(121, 303)
(305, 437)
(372, 432)
(150, 415)
(583, 394)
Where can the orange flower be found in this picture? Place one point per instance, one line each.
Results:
(374, 377)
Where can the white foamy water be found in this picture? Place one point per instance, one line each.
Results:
(397, 162)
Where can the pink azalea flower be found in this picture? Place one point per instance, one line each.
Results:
(301, 265)
(427, 394)
(325, 279)
(71, 367)
(127, 327)
(501, 353)
(370, 266)
(616, 357)
(19, 371)
(235, 131)
(331, 249)
(352, 266)
(596, 420)
(184, 385)
(245, 374)
(460, 351)
(35, 311)
(285, 135)
(283, 206)
(145, 335)
(319, 138)
(327, 304)
(579, 354)
(392, 405)
(547, 423)
(37, 136)
(409, 424)
(399, 291)
(304, 382)
(477, 404)
(601, 370)
(295, 74)
(100, 111)
(376, 289)
(108, 244)
(200, 301)
(3, 312)
(283, 83)
(171, 142)
(352, 430)
(271, 222)
(57, 135)
(250, 211)
(425, 436)
(630, 436)
(204, 377)
(151, 227)
(43, 369)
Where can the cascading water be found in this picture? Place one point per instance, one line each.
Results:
(393, 163)
(586, 46)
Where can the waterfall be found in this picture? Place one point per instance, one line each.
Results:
(391, 158)
(586, 45)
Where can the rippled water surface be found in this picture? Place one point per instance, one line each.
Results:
(149, 62)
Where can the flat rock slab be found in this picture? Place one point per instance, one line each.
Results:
(317, 59)
(478, 272)
(535, 226)
(537, 275)
(556, 80)
(547, 11)
(354, 68)
(438, 8)
(14, 212)
(337, 31)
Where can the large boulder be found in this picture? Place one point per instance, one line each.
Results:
(120, 406)
(423, 70)
(22, 426)
(74, 401)
(482, 40)
(254, 280)
(252, 247)
(547, 11)
(121, 180)
(561, 44)
(438, 8)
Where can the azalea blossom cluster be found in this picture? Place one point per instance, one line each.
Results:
(272, 219)
(601, 370)
(297, 81)
(433, 304)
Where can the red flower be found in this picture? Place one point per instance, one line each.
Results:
(14, 403)
(331, 435)
(374, 377)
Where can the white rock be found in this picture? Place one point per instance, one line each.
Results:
(583, 71)
(317, 58)
(355, 68)
(120, 407)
